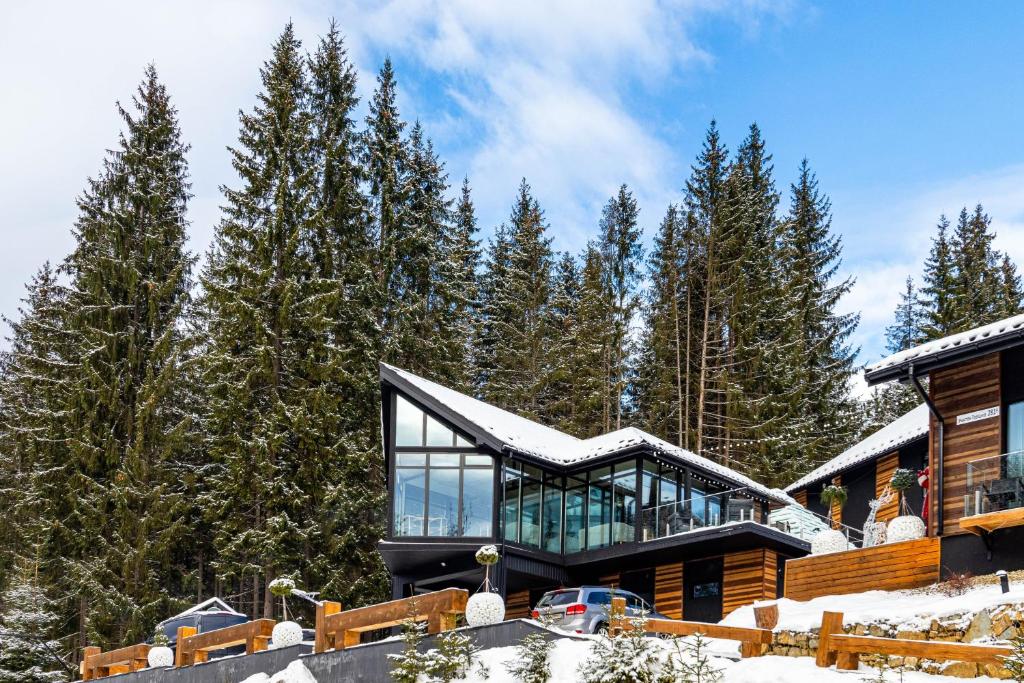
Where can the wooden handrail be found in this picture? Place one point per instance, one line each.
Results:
(337, 629)
(193, 648)
(836, 647)
(99, 664)
(751, 639)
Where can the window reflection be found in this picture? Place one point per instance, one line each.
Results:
(599, 508)
(552, 537)
(443, 494)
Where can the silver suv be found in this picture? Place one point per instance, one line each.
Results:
(585, 609)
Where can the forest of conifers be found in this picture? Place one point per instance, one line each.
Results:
(175, 427)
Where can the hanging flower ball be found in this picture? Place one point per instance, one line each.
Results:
(485, 608)
(282, 587)
(286, 634)
(905, 528)
(488, 555)
(902, 479)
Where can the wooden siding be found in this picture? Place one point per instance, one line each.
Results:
(957, 390)
(517, 605)
(668, 590)
(610, 580)
(801, 497)
(884, 468)
(748, 576)
(835, 512)
(910, 564)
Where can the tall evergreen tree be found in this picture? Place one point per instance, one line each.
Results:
(937, 294)
(621, 252)
(265, 425)
(111, 542)
(464, 262)
(904, 332)
(976, 285)
(516, 334)
(28, 653)
(1010, 295)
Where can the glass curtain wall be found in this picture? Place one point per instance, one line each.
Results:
(438, 492)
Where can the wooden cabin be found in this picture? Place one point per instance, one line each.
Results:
(624, 509)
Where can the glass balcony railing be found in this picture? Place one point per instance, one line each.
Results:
(991, 484)
(698, 512)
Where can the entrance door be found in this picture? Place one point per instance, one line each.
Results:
(702, 590)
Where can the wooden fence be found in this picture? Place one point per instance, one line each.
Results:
(337, 629)
(836, 647)
(193, 648)
(909, 564)
(753, 641)
(98, 664)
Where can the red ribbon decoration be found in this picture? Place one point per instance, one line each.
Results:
(922, 480)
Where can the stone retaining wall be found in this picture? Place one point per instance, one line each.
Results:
(997, 624)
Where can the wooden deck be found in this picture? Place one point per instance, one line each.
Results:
(991, 521)
(910, 564)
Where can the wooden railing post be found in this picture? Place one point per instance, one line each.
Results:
(324, 641)
(617, 616)
(831, 624)
(767, 616)
(87, 652)
(180, 657)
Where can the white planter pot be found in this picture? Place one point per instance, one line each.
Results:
(905, 528)
(485, 608)
(828, 541)
(160, 657)
(286, 634)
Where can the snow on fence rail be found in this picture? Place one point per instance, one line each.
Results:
(836, 647)
(99, 664)
(337, 629)
(752, 640)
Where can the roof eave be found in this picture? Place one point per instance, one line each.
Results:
(943, 359)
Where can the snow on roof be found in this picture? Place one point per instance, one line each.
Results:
(985, 333)
(900, 431)
(527, 437)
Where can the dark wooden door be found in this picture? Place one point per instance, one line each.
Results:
(702, 590)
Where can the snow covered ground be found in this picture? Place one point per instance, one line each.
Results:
(912, 609)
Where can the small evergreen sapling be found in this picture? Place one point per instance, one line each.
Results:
(532, 663)
(690, 662)
(410, 664)
(1014, 662)
(453, 659)
(630, 657)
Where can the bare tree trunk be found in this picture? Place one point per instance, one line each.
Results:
(268, 597)
(679, 370)
(255, 595)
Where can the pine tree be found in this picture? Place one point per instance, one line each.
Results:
(1010, 295)
(903, 333)
(937, 293)
(621, 253)
(28, 654)
(516, 336)
(463, 285)
(976, 285)
(267, 430)
(112, 543)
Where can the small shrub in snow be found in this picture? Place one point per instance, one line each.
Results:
(453, 659)
(627, 658)
(956, 584)
(410, 664)
(690, 662)
(1014, 662)
(532, 663)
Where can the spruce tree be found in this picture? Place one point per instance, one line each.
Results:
(1010, 295)
(976, 284)
(464, 261)
(937, 294)
(621, 253)
(904, 332)
(28, 652)
(267, 428)
(112, 504)
(516, 335)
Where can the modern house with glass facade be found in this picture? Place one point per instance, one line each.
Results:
(624, 509)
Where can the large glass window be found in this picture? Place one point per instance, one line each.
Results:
(410, 500)
(477, 498)
(1015, 440)
(599, 508)
(575, 515)
(414, 428)
(513, 480)
(551, 538)
(529, 530)
(624, 512)
(443, 494)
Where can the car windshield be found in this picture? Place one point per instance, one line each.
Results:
(558, 598)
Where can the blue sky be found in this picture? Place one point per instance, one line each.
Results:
(904, 110)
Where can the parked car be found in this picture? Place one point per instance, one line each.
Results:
(209, 616)
(586, 609)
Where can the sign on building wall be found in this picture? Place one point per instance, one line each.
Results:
(975, 416)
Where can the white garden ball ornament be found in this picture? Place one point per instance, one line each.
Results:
(160, 657)
(485, 608)
(828, 541)
(286, 634)
(905, 528)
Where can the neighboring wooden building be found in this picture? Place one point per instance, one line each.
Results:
(975, 446)
(623, 509)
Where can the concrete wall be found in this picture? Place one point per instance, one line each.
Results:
(361, 664)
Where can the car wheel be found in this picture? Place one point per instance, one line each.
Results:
(601, 629)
